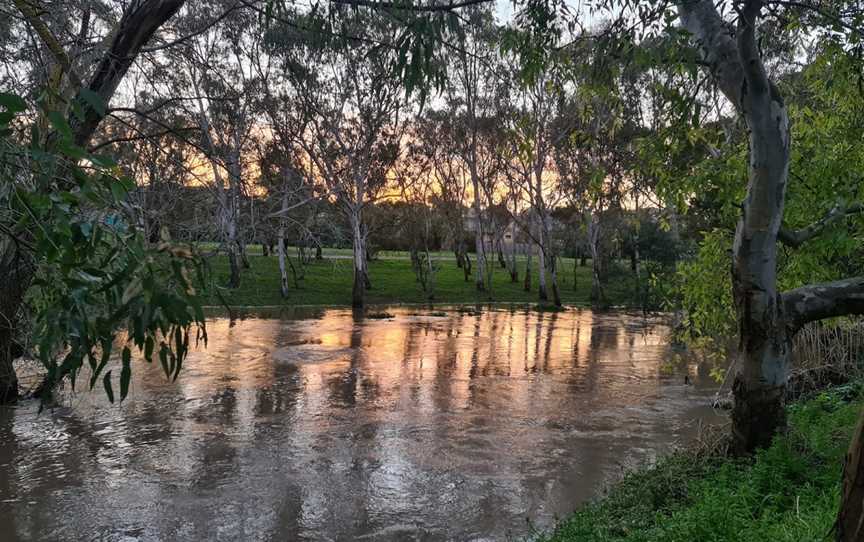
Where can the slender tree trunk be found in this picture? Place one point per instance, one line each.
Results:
(541, 273)
(553, 276)
(637, 273)
(478, 232)
(359, 288)
(367, 282)
(514, 270)
(244, 256)
(231, 244)
(527, 284)
(549, 262)
(596, 263)
(236, 248)
(283, 271)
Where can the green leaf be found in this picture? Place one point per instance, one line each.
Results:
(93, 100)
(106, 382)
(125, 373)
(60, 124)
(12, 102)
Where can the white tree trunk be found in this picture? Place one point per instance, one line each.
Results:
(359, 257)
(283, 271)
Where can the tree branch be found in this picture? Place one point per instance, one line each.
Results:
(716, 46)
(32, 16)
(139, 22)
(820, 301)
(409, 6)
(796, 238)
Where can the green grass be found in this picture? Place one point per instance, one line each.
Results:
(789, 492)
(328, 282)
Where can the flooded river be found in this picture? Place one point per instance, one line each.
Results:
(425, 426)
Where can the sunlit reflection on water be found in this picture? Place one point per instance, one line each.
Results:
(421, 426)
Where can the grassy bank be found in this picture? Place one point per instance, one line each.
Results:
(788, 492)
(329, 281)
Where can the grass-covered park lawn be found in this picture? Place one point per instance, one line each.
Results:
(329, 281)
(789, 492)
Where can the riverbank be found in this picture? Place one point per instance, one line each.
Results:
(329, 282)
(787, 492)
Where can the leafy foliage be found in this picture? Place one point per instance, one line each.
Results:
(99, 285)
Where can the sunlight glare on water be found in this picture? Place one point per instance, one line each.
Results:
(334, 427)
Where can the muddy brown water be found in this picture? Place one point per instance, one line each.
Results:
(420, 427)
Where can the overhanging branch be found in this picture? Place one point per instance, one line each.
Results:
(796, 238)
(820, 301)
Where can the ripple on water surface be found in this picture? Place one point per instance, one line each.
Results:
(428, 426)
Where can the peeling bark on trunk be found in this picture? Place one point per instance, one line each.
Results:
(767, 320)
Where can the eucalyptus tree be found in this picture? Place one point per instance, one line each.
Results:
(223, 71)
(768, 319)
(290, 198)
(726, 38)
(435, 140)
(419, 189)
(542, 120)
(60, 223)
(471, 97)
(353, 106)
